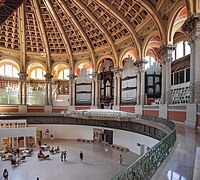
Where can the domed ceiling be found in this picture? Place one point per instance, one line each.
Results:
(74, 30)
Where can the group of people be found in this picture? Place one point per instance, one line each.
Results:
(53, 151)
(41, 155)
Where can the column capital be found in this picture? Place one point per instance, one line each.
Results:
(192, 24)
(72, 77)
(167, 49)
(22, 76)
(48, 77)
(140, 63)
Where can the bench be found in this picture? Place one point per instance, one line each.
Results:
(122, 148)
(84, 140)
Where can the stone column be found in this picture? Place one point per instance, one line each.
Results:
(117, 84)
(20, 92)
(115, 88)
(166, 58)
(163, 82)
(48, 94)
(138, 85)
(118, 89)
(141, 81)
(93, 92)
(22, 86)
(192, 27)
(97, 91)
(71, 91)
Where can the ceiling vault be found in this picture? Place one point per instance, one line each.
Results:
(61, 29)
(99, 25)
(124, 21)
(43, 32)
(155, 16)
(76, 23)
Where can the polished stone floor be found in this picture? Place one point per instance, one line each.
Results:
(179, 164)
(100, 163)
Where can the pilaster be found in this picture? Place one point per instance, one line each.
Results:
(48, 94)
(72, 79)
(22, 87)
(192, 27)
(166, 58)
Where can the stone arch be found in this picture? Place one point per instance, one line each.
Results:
(124, 51)
(13, 61)
(146, 42)
(102, 58)
(172, 18)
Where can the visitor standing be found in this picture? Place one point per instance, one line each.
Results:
(65, 156)
(5, 174)
(120, 159)
(62, 154)
(81, 156)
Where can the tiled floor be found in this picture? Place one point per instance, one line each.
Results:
(179, 164)
(100, 163)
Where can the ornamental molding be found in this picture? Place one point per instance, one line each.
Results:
(192, 26)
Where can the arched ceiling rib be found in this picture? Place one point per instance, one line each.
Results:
(58, 23)
(98, 24)
(74, 20)
(41, 25)
(130, 28)
(155, 16)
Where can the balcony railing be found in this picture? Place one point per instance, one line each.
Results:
(146, 165)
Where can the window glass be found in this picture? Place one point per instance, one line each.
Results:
(181, 76)
(15, 72)
(33, 74)
(176, 78)
(173, 55)
(188, 75)
(2, 71)
(187, 49)
(179, 50)
(60, 76)
(39, 74)
(66, 74)
(8, 70)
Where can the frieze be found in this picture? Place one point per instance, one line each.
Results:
(10, 53)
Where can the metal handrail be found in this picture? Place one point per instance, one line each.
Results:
(145, 166)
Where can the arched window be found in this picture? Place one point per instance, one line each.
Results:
(182, 49)
(8, 71)
(64, 74)
(38, 73)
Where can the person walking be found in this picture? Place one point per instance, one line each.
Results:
(65, 156)
(120, 159)
(62, 154)
(81, 156)
(5, 174)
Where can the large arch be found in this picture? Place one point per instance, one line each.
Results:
(172, 18)
(102, 58)
(146, 42)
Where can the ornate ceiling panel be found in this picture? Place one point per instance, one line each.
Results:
(55, 38)
(34, 41)
(9, 33)
(85, 28)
